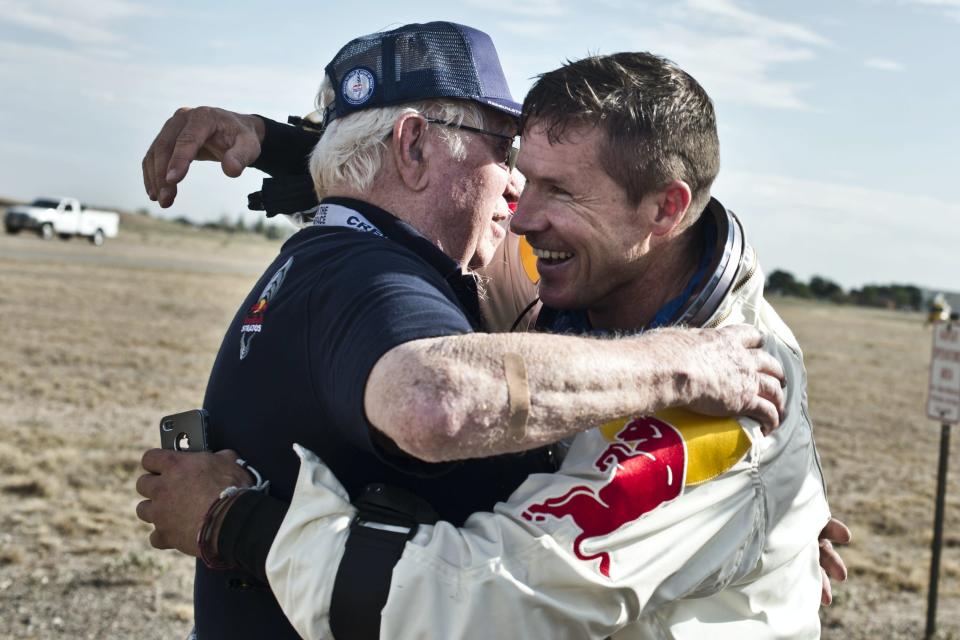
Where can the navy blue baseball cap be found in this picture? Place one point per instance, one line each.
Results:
(418, 62)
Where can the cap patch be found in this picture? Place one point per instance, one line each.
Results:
(358, 86)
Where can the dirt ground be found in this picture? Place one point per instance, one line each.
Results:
(98, 343)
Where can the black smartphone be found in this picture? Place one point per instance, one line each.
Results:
(185, 431)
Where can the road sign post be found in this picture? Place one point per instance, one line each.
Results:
(943, 404)
(937, 544)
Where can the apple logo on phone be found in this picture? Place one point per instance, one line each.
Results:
(183, 442)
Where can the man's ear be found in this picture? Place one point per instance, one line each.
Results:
(411, 150)
(673, 203)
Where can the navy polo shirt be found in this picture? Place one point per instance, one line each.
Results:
(331, 304)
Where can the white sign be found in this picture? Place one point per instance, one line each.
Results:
(943, 403)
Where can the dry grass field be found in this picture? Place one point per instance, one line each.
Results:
(97, 344)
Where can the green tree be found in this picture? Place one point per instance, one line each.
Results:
(781, 282)
(824, 289)
(890, 296)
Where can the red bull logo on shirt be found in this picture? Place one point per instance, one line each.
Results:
(254, 318)
(252, 323)
(650, 461)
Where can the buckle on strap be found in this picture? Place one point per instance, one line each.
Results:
(386, 518)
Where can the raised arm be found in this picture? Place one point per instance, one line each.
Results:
(459, 397)
(235, 140)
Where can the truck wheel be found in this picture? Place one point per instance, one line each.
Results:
(46, 231)
(13, 230)
(97, 238)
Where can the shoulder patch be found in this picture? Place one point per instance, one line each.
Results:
(645, 467)
(714, 445)
(648, 464)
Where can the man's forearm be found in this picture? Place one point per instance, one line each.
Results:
(449, 398)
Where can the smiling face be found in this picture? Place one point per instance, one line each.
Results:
(473, 195)
(589, 239)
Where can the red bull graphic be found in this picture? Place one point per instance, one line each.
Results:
(255, 315)
(649, 462)
(253, 320)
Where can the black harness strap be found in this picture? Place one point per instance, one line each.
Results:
(386, 518)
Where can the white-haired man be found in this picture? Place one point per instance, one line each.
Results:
(414, 166)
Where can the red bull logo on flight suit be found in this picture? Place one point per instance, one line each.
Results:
(649, 458)
(651, 461)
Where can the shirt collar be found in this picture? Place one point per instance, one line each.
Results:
(400, 232)
(403, 233)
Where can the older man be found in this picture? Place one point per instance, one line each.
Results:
(647, 531)
(412, 162)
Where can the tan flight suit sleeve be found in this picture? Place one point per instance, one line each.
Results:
(508, 286)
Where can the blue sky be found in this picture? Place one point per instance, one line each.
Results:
(838, 120)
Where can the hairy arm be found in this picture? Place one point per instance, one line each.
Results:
(448, 398)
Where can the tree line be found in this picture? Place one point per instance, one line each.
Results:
(889, 296)
(272, 231)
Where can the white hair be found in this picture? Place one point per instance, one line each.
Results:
(350, 152)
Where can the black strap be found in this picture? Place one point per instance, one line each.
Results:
(389, 69)
(386, 518)
(284, 194)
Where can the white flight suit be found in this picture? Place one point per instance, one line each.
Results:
(722, 545)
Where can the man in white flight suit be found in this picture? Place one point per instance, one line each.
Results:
(666, 526)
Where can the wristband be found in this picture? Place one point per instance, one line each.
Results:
(206, 535)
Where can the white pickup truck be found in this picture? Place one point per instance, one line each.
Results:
(65, 217)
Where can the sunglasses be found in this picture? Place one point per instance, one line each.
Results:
(512, 143)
